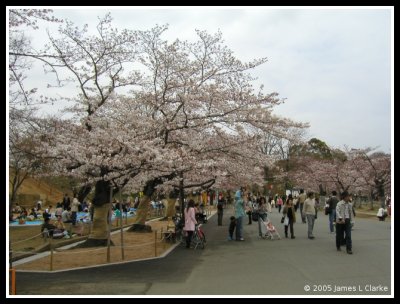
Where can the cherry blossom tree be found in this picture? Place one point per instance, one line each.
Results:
(22, 55)
(22, 159)
(280, 146)
(22, 100)
(374, 169)
(359, 171)
(189, 118)
(209, 94)
(332, 174)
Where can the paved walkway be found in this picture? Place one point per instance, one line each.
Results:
(253, 267)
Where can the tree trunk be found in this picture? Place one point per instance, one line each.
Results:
(382, 201)
(141, 216)
(170, 207)
(182, 196)
(10, 205)
(16, 183)
(99, 234)
(372, 197)
(380, 189)
(83, 192)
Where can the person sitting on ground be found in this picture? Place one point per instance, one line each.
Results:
(66, 215)
(17, 208)
(59, 223)
(46, 225)
(47, 212)
(59, 209)
(84, 206)
(33, 214)
(23, 214)
(59, 230)
(39, 205)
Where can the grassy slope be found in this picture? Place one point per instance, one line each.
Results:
(34, 188)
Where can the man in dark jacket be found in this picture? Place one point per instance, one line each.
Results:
(220, 210)
(332, 202)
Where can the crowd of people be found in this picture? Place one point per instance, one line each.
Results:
(340, 211)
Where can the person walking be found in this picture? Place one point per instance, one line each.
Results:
(344, 216)
(332, 203)
(239, 214)
(309, 212)
(190, 222)
(301, 200)
(249, 207)
(272, 202)
(279, 203)
(262, 214)
(232, 226)
(290, 213)
(220, 210)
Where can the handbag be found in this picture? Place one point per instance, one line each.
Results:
(286, 221)
(282, 219)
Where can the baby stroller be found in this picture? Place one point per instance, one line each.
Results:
(202, 215)
(268, 230)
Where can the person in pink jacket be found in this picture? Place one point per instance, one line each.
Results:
(190, 222)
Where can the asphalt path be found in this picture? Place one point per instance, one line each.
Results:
(255, 266)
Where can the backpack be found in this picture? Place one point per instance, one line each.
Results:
(327, 209)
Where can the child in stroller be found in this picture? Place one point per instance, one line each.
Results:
(269, 231)
(201, 215)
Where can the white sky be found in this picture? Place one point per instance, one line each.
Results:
(333, 65)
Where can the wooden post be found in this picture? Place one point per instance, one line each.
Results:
(109, 225)
(128, 207)
(13, 287)
(10, 254)
(122, 226)
(12, 272)
(155, 243)
(51, 252)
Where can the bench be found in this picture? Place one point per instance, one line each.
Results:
(169, 236)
